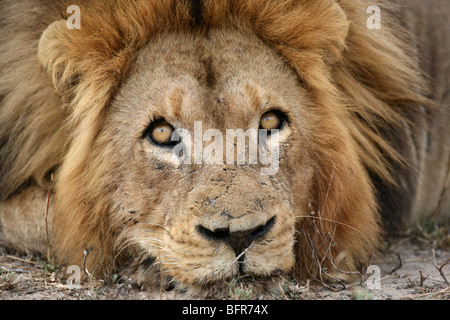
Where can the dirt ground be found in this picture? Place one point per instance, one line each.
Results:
(409, 270)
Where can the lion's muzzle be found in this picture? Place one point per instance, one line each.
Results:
(221, 232)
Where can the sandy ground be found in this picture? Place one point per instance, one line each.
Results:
(408, 270)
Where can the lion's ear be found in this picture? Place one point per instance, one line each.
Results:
(84, 66)
(56, 57)
(342, 29)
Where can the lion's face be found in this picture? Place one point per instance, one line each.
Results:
(205, 222)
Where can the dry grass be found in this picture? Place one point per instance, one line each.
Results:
(413, 267)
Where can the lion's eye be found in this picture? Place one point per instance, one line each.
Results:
(271, 120)
(161, 133)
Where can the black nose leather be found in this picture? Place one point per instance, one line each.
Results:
(239, 240)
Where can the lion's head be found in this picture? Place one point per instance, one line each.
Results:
(135, 73)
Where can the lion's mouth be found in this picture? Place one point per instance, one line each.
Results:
(245, 270)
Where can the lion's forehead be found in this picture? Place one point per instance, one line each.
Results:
(224, 78)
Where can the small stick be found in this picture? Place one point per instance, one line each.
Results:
(46, 216)
(20, 259)
(420, 295)
(399, 264)
(422, 278)
(85, 254)
(282, 291)
(242, 254)
(441, 267)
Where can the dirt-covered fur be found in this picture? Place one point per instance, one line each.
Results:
(364, 140)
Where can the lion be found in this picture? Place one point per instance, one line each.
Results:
(356, 119)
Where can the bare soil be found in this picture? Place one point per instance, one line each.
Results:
(409, 270)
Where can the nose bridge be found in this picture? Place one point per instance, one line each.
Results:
(233, 199)
(217, 140)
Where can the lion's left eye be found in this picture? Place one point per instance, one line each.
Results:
(271, 120)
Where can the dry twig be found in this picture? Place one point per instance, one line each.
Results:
(20, 259)
(440, 267)
(422, 278)
(443, 292)
(85, 255)
(46, 215)
(242, 254)
(400, 264)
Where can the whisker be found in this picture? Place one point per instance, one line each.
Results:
(146, 241)
(155, 225)
(329, 220)
(328, 188)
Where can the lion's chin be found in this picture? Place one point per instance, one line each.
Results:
(252, 283)
(212, 275)
(239, 286)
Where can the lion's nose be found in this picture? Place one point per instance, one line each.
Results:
(237, 240)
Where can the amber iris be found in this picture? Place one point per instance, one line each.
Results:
(161, 133)
(270, 120)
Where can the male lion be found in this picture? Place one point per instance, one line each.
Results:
(361, 140)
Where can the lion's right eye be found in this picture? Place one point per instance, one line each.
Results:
(160, 134)
(272, 120)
